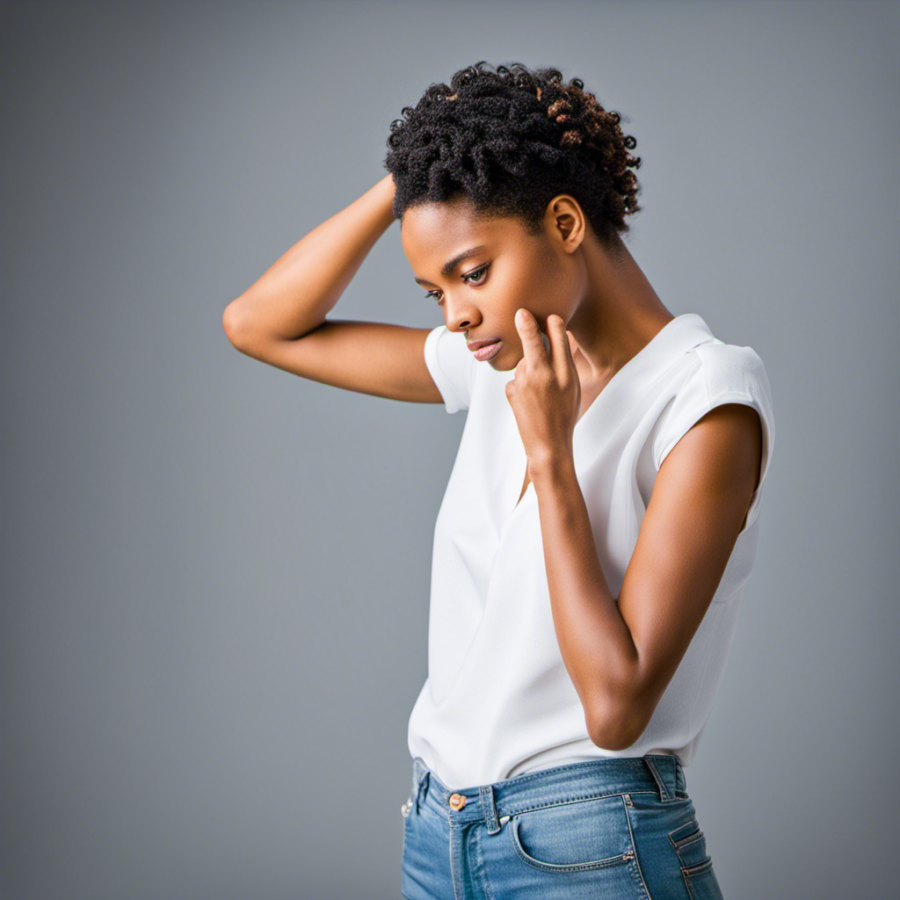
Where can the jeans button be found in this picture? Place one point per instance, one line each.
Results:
(457, 801)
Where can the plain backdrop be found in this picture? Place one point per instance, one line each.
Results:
(215, 574)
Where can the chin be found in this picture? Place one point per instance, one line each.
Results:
(501, 362)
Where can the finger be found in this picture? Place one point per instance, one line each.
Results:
(530, 334)
(521, 365)
(560, 352)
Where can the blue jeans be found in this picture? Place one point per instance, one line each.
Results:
(605, 828)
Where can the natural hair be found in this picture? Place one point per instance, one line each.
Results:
(511, 139)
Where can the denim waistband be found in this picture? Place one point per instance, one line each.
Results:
(660, 773)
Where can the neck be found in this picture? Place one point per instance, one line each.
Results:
(618, 316)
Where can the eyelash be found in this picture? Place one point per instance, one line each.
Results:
(483, 270)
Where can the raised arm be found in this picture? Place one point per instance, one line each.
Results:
(281, 318)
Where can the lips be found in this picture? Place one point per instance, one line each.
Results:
(488, 351)
(474, 345)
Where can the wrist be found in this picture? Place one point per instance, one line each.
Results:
(387, 188)
(551, 467)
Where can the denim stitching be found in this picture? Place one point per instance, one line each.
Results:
(691, 840)
(665, 796)
(566, 867)
(628, 763)
(517, 812)
(482, 867)
(687, 873)
(699, 869)
(570, 801)
(452, 870)
(636, 763)
(677, 843)
(634, 848)
(489, 808)
(687, 882)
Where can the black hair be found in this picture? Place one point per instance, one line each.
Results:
(509, 140)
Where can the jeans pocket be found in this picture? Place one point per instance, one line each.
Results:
(696, 864)
(574, 836)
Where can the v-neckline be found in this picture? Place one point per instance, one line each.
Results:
(523, 467)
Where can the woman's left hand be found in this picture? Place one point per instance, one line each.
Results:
(545, 394)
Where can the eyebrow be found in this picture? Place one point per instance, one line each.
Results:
(451, 264)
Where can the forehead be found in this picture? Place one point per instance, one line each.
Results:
(431, 233)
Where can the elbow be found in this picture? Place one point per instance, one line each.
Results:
(230, 320)
(234, 324)
(618, 725)
(613, 738)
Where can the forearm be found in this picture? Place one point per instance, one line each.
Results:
(594, 639)
(296, 293)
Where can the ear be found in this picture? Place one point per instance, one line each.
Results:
(565, 222)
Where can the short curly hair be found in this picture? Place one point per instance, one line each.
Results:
(509, 140)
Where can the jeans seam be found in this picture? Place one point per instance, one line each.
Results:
(687, 882)
(452, 867)
(637, 862)
(484, 879)
(572, 800)
(520, 779)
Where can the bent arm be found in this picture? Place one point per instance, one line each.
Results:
(281, 318)
(295, 294)
(621, 653)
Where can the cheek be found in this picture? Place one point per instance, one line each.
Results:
(538, 283)
(550, 292)
(549, 277)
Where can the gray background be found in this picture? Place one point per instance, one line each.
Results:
(215, 574)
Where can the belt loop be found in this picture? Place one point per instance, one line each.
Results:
(662, 766)
(422, 782)
(680, 784)
(420, 773)
(486, 792)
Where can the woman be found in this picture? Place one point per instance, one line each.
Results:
(601, 518)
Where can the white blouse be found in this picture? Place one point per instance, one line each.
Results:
(498, 700)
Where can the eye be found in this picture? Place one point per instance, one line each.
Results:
(475, 274)
(469, 279)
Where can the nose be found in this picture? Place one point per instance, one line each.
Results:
(461, 315)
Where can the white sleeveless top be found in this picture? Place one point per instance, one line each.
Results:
(498, 700)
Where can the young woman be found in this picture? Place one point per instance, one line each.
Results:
(601, 518)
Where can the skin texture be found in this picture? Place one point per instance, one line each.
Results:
(598, 310)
